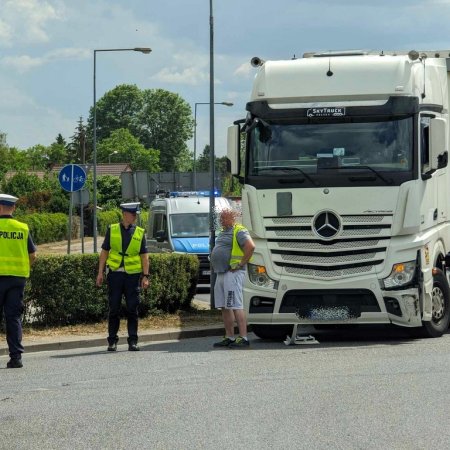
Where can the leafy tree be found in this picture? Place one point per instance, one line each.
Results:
(165, 123)
(128, 150)
(109, 190)
(203, 162)
(160, 119)
(21, 184)
(118, 108)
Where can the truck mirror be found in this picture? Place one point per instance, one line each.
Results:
(160, 236)
(438, 157)
(233, 147)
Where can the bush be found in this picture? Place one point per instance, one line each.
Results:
(49, 227)
(106, 218)
(62, 290)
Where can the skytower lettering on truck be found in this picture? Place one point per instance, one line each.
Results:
(346, 191)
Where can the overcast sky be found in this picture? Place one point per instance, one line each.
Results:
(46, 51)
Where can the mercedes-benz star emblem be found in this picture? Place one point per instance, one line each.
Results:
(326, 225)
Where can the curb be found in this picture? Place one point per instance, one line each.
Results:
(167, 335)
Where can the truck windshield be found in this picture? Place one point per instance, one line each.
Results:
(329, 149)
(189, 225)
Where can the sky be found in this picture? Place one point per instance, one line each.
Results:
(46, 51)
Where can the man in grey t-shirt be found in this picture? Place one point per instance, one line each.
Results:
(228, 262)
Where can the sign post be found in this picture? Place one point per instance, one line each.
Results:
(71, 178)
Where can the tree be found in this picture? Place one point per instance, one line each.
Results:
(203, 162)
(159, 119)
(78, 150)
(165, 123)
(118, 108)
(128, 150)
(109, 190)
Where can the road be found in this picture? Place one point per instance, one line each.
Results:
(372, 389)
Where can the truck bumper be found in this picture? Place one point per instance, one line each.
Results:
(348, 302)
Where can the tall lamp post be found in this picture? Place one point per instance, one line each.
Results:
(195, 135)
(144, 50)
(212, 158)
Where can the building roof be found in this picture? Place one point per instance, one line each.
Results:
(114, 169)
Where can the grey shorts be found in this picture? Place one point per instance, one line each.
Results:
(228, 290)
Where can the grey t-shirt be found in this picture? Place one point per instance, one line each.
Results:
(220, 256)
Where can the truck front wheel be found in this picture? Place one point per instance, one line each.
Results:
(440, 307)
(272, 332)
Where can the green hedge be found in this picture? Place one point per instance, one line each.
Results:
(48, 227)
(61, 289)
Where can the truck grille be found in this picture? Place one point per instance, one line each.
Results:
(359, 246)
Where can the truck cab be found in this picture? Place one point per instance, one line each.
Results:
(179, 222)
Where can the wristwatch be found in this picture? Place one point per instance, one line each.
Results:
(146, 275)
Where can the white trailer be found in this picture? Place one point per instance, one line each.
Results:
(346, 191)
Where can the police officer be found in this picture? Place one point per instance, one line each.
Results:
(124, 251)
(17, 254)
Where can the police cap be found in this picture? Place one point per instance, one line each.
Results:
(8, 200)
(131, 207)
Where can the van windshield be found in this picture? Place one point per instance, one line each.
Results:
(189, 225)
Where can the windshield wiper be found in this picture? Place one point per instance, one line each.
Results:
(288, 169)
(378, 174)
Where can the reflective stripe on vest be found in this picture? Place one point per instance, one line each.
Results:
(131, 258)
(14, 259)
(236, 251)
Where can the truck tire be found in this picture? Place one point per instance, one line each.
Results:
(440, 308)
(272, 332)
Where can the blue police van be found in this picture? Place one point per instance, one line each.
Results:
(179, 222)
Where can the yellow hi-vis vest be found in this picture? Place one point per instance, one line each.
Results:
(14, 259)
(131, 258)
(236, 251)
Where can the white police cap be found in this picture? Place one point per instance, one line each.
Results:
(8, 200)
(131, 207)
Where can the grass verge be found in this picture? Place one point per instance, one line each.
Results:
(196, 317)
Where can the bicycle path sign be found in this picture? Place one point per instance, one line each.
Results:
(72, 177)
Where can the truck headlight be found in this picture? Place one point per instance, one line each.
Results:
(401, 274)
(258, 276)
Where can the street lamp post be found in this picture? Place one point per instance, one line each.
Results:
(109, 156)
(195, 136)
(212, 234)
(144, 50)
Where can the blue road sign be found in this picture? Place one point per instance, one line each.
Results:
(72, 177)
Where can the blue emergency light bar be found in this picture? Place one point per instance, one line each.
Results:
(194, 193)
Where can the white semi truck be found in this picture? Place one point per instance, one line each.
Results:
(346, 191)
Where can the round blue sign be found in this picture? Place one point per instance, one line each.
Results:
(72, 177)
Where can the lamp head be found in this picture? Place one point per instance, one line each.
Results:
(144, 50)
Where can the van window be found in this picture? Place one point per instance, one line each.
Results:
(159, 223)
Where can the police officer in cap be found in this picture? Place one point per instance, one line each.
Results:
(124, 252)
(17, 254)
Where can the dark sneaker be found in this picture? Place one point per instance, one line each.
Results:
(14, 363)
(133, 347)
(112, 347)
(240, 342)
(225, 342)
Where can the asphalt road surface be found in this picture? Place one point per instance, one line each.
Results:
(369, 389)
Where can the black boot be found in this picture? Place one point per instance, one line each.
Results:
(112, 346)
(133, 347)
(14, 363)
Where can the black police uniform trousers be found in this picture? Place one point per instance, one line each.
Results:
(122, 283)
(11, 303)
